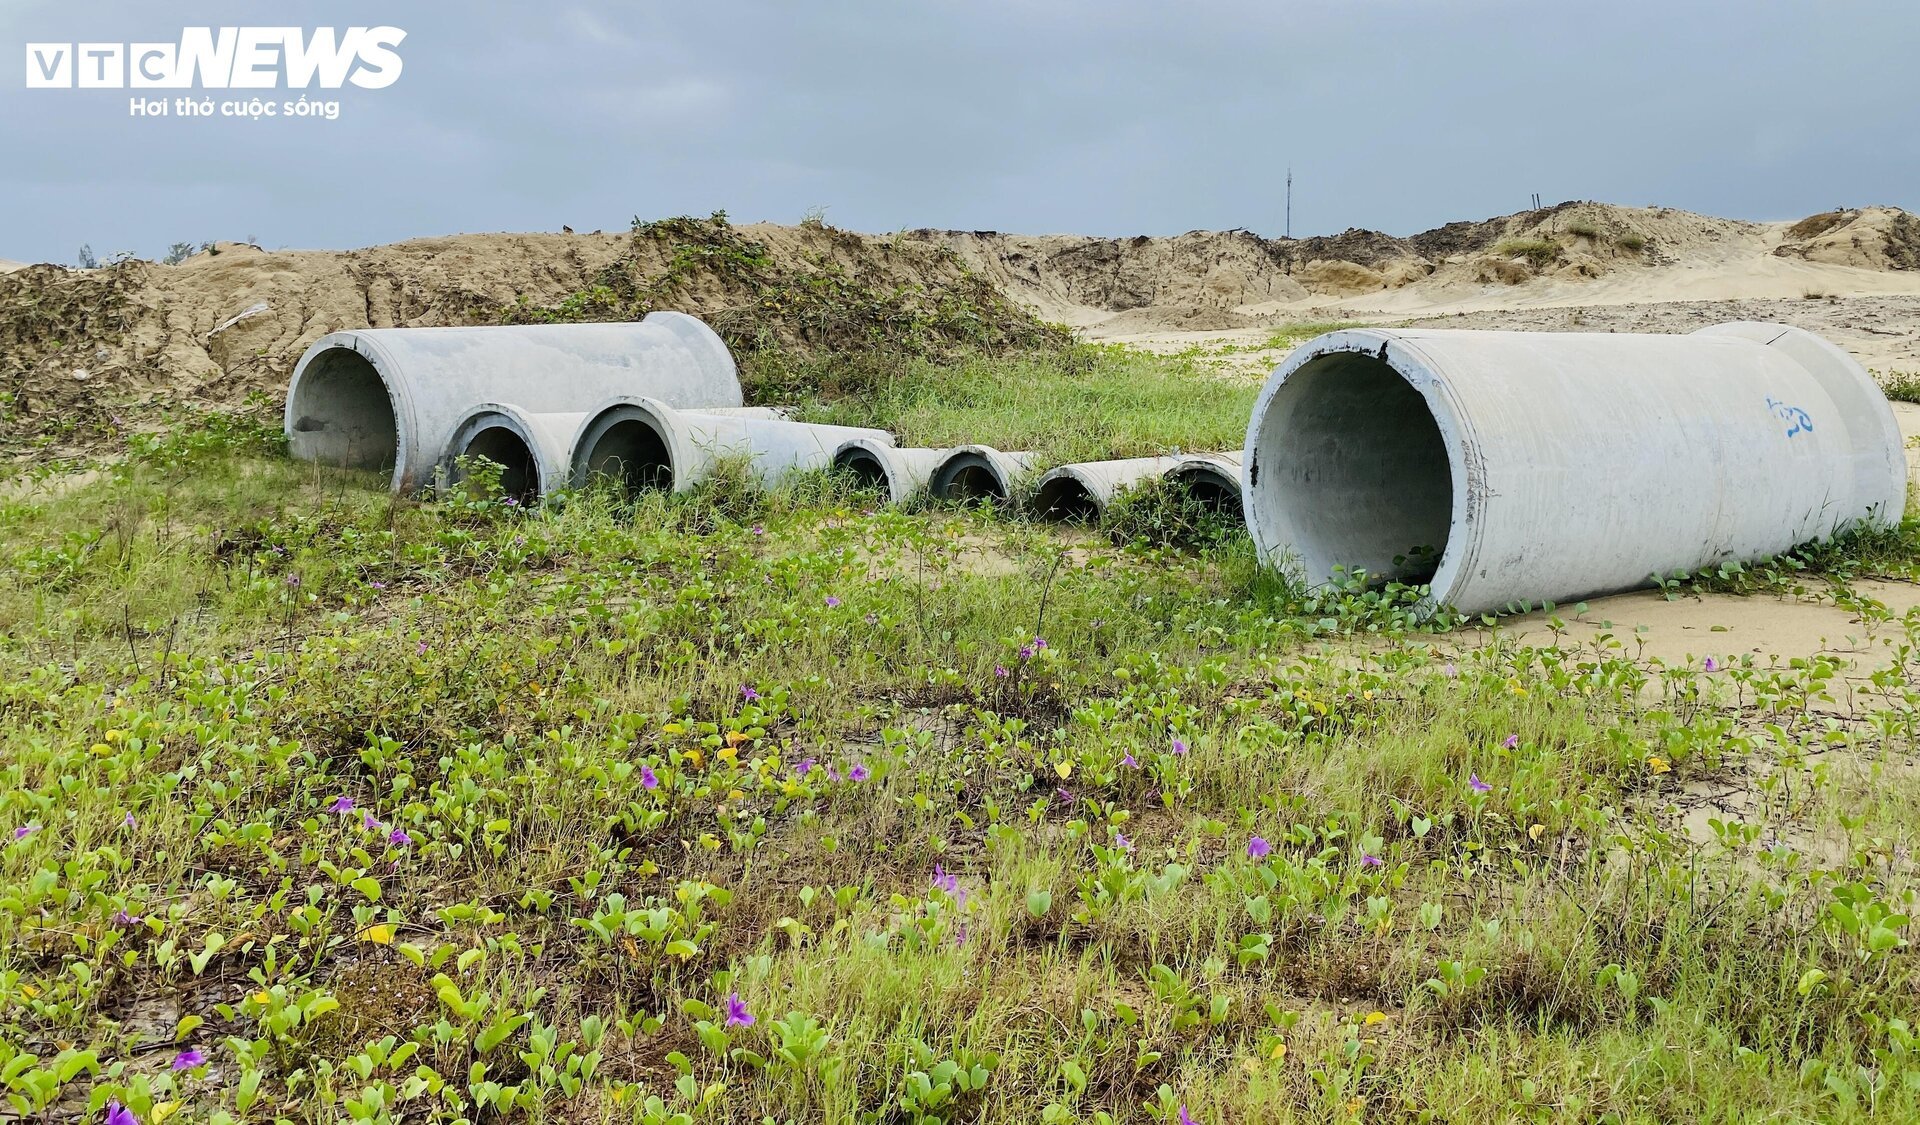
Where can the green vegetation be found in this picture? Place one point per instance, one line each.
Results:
(1581, 228)
(744, 807)
(1901, 386)
(1539, 251)
(1631, 242)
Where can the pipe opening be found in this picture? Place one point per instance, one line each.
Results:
(1353, 471)
(631, 452)
(1210, 488)
(864, 468)
(968, 476)
(342, 413)
(1066, 499)
(519, 475)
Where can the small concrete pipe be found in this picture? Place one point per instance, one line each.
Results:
(1510, 468)
(1213, 479)
(874, 464)
(531, 449)
(390, 398)
(647, 444)
(1079, 493)
(979, 472)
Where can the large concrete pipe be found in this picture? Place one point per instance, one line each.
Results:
(875, 464)
(1523, 467)
(979, 472)
(644, 443)
(1212, 479)
(390, 398)
(1079, 493)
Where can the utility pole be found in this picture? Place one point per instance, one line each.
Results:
(1289, 201)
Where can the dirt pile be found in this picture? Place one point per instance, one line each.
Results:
(1874, 238)
(1208, 280)
(85, 354)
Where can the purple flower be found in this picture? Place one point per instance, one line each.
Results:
(1120, 841)
(1712, 664)
(833, 602)
(1000, 671)
(946, 880)
(747, 693)
(1185, 1117)
(342, 805)
(1474, 783)
(188, 1059)
(1039, 643)
(422, 650)
(25, 830)
(1452, 671)
(399, 838)
(1130, 761)
(803, 767)
(1372, 861)
(737, 1014)
(1513, 740)
(649, 779)
(1027, 651)
(378, 585)
(293, 579)
(1258, 848)
(1179, 747)
(758, 530)
(122, 918)
(832, 773)
(1060, 791)
(371, 823)
(118, 1114)
(858, 772)
(127, 821)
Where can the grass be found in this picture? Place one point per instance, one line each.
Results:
(1539, 251)
(1901, 386)
(741, 806)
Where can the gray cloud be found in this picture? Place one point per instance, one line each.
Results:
(1116, 118)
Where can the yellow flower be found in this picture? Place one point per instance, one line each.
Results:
(162, 1111)
(381, 934)
(1659, 765)
(1279, 1051)
(695, 756)
(734, 794)
(29, 991)
(735, 738)
(1375, 1017)
(263, 998)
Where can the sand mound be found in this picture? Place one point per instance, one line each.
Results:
(1876, 238)
(9, 267)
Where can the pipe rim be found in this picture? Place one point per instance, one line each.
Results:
(655, 415)
(940, 483)
(1272, 542)
(399, 398)
(1222, 474)
(1058, 489)
(501, 416)
(879, 454)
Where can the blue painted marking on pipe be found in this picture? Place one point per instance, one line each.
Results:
(1798, 421)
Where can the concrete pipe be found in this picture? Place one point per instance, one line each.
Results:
(531, 449)
(979, 472)
(646, 444)
(390, 398)
(1510, 468)
(874, 464)
(1213, 479)
(1079, 493)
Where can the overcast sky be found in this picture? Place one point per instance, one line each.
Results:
(1109, 117)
